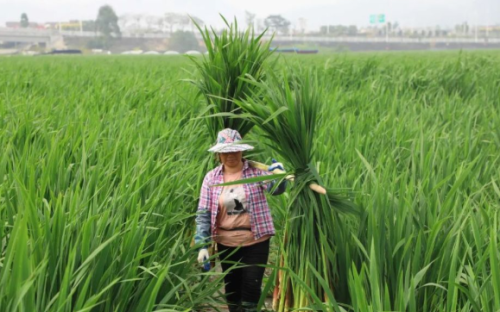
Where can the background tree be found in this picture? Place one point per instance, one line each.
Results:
(182, 41)
(107, 22)
(170, 20)
(160, 24)
(277, 23)
(395, 27)
(179, 21)
(89, 25)
(138, 23)
(462, 29)
(438, 32)
(302, 25)
(324, 29)
(259, 24)
(126, 22)
(339, 30)
(24, 20)
(352, 30)
(197, 20)
(151, 22)
(250, 18)
(183, 21)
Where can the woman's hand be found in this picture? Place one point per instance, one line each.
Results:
(276, 165)
(203, 255)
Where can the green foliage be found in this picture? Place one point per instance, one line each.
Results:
(94, 183)
(89, 25)
(107, 23)
(339, 30)
(100, 169)
(422, 128)
(24, 20)
(232, 56)
(277, 23)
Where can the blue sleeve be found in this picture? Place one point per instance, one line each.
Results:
(203, 215)
(202, 235)
(279, 190)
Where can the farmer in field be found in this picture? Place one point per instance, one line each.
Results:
(238, 219)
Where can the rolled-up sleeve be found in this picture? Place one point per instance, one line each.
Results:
(203, 217)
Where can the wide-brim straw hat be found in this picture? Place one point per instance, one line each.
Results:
(228, 142)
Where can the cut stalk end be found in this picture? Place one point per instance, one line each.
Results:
(317, 188)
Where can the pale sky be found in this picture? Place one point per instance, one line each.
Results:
(408, 13)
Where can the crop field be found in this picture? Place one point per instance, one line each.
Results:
(101, 160)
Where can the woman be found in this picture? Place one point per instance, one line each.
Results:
(238, 219)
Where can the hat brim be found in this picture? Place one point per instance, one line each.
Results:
(230, 148)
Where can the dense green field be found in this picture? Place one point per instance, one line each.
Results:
(99, 179)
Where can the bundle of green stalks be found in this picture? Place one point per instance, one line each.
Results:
(287, 109)
(232, 55)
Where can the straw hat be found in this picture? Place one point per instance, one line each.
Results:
(227, 142)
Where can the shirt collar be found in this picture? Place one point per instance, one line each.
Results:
(245, 167)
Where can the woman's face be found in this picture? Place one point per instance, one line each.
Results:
(231, 160)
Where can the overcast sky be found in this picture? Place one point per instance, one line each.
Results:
(409, 13)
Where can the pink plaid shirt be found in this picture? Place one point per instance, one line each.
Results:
(260, 216)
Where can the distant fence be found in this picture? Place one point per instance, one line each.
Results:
(308, 38)
(22, 35)
(381, 39)
(92, 34)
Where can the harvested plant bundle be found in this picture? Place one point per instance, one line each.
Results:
(288, 110)
(232, 56)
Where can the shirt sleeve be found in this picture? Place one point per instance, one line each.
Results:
(203, 215)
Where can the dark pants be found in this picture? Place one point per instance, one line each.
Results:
(244, 282)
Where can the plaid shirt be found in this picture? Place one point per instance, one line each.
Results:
(260, 216)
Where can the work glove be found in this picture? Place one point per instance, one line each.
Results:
(203, 258)
(276, 165)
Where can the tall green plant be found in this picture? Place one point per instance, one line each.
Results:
(93, 188)
(287, 108)
(232, 55)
